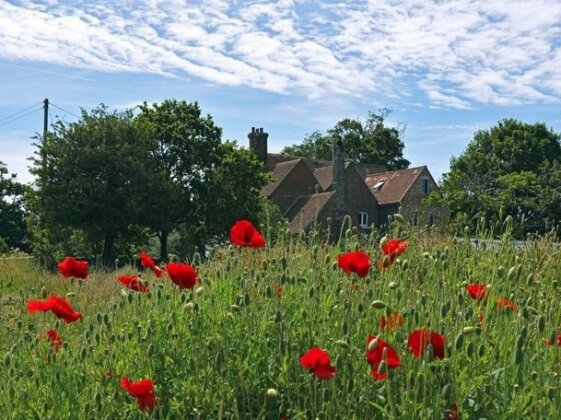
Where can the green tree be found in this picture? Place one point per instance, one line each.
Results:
(12, 213)
(195, 182)
(89, 175)
(502, 172)
(369, 141)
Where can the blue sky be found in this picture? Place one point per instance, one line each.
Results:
(446, 69)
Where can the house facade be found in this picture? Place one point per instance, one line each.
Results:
(310, 191)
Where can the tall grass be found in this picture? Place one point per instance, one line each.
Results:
(214, 352)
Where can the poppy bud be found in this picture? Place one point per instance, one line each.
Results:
(342, 343)
(360, 307)
(326, 394)
(304, 314)
(130, 298)
(272, 393)
(400, 219)
(461, 298)
(447, 392)
(278, 316)
(8, 360)
(106, 319)
(392, 285)
(443, 310)
(218, 360)
(12, 393)
(189, 306)
(373, 344)
(235, 308)
(83, 353)
(481, 350)
(512, 272)
(311, 292)
(246, 299)
(551, 392)
(268, 292)
(378, 304)
(150, 349)
(469, 330)
(382, 368)
(345, 328)
(44, 292)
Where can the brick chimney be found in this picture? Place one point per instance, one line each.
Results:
(338, 209)
(258, 143)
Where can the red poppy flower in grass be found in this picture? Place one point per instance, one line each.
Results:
(354, 262)
(391, 250)
(420, 339)
(243, 233)
(183, 275)
(382, 351)
(142, 390)
(504, 304)
(57, 305)
(395, 321)
(477, 291)
(71, 267)
(147, 261)
(278, 289)
(452, 412)
(54, 339)
(317, 361)
(132, 283)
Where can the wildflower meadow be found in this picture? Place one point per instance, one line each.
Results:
(407, 323)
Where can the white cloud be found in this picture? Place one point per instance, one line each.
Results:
(457, 53)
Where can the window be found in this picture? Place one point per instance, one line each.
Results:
(363, 219)
(431, 219)
(424, 185)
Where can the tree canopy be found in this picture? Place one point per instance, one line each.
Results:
(369, 141)
(115, 176)
(12, 215)
(507, 170)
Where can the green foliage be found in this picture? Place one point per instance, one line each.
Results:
(367, 141)
(213, 353)
(12, 212)
(89, 176)
(507, 170)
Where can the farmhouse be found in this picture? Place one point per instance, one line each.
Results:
(309, 191)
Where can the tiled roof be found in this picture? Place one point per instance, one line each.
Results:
(324, 176)
(312, 205)
(395, 184)
(366, 169)
(275, 158)
(280, 171)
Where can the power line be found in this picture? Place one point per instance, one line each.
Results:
(20, 112)
(64, 110)
(21, 116)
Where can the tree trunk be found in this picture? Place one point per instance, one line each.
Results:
(107, 255)
(163, 246)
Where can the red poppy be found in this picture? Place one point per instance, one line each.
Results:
(392, 249)
(477, 291)
(146, 261)
(54, 339)
(376, 355)
(132, 283)
(243, 233)
(183, 275)
(142, 390)
(396, 320)
(57, 305)
(71, 267)
(504, 303)
(420, 339)
(452, 412)
(318, 362)
(354, 262)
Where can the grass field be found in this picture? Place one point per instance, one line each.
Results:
(214, 351)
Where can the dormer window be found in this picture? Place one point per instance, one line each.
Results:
(378, 185)
(424, 185)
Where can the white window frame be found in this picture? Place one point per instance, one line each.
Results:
(363, 215)
(423, 181)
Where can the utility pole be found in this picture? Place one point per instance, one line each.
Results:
(45, 118)
(45, 131)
